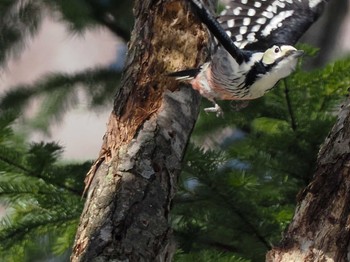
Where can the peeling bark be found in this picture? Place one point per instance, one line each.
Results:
(133, 181)
(320, 229)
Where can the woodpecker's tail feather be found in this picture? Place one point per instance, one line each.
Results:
(185, 74)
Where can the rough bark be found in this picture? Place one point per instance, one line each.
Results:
(126, 213)
(320, 229)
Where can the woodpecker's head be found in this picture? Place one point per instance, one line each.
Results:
(282, 58)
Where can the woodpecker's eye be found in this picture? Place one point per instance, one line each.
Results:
(277, 50)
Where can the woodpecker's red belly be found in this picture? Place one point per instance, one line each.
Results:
(205, 85)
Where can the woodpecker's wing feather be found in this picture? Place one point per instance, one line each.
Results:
(215, 28)
(258, 24)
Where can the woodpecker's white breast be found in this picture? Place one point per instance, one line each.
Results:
(229, 77)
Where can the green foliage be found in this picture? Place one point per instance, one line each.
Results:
(241, 196)
(43, 198)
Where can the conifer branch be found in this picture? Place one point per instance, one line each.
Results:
(11, 232)
(59, 185)
(14, 164)
(30, 173)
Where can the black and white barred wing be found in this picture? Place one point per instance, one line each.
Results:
(258, 24)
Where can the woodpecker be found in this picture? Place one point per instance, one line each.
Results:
(254, 50)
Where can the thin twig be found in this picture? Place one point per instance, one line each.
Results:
(242, 216)
(289, 106)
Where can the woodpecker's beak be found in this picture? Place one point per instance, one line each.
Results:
(295, 53)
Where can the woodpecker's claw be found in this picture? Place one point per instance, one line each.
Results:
(217, 109)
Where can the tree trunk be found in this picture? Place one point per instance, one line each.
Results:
(126, 213)
(320, 228)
